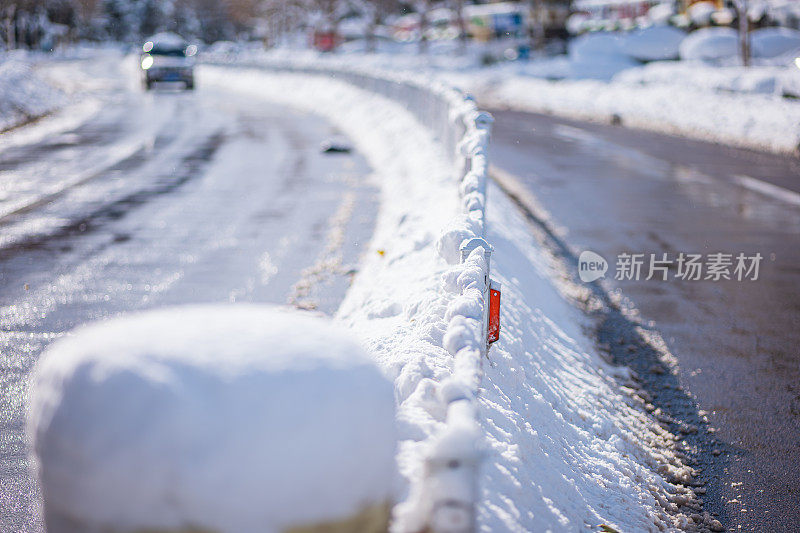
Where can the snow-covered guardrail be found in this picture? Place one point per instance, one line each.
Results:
(446, 499)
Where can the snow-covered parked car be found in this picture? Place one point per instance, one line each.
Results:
(166, 57)
(710, 44)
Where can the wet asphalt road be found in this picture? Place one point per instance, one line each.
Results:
(612, 190)
(161, 199)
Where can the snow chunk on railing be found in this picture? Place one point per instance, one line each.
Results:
(457, 230)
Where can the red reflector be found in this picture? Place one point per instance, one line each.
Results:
(494, 312)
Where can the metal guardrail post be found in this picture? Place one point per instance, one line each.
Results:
(467, 247)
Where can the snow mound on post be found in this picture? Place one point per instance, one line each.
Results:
(223, 418)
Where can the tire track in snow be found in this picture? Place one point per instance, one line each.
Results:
(190, 167)
(329, 262)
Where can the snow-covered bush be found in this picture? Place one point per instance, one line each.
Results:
(218, 418)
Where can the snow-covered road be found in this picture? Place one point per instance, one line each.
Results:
(130, 200)
(220, 196)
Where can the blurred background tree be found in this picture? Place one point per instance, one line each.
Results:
(40, 23)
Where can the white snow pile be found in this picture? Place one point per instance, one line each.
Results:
(602, 55)
(24, 95)
(598, 56)
(774, 42)
(564, 450)
(660, 43)
(656, 43)
(660, 14)
(700, 12)
(212, 418)
(710, 44)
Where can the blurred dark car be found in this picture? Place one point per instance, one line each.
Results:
(167, 57)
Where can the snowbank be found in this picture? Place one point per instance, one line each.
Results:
(698, 76)
(556, 422)
(674, 98)
(395, 302)
(222, 418)
(24, 95)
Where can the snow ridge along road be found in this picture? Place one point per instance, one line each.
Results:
(444, 497)
(566, 446)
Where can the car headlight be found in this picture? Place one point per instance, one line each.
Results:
(147, 61)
